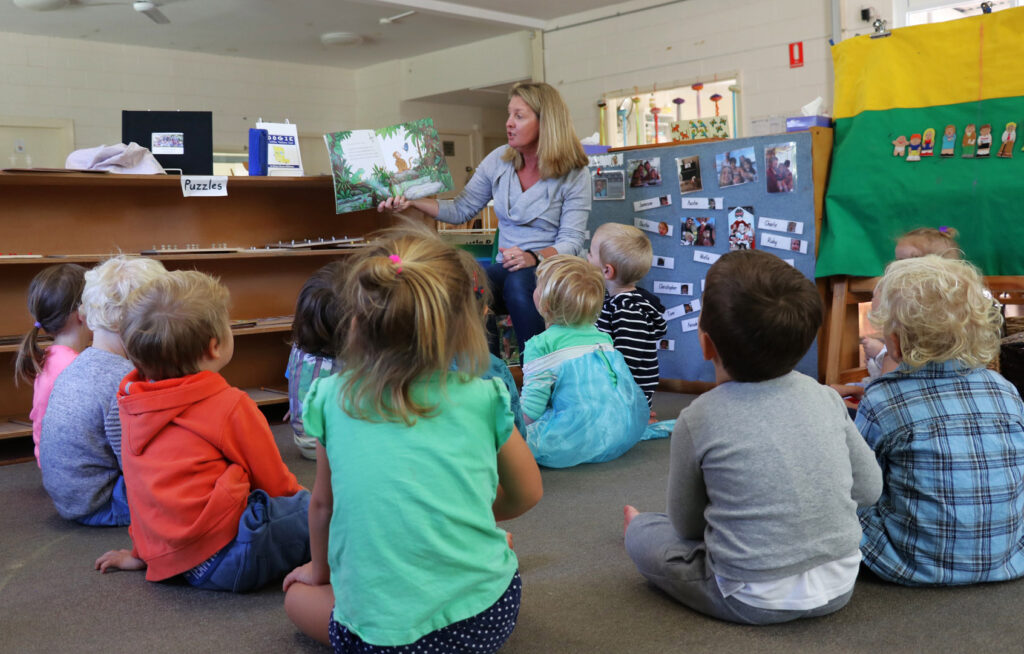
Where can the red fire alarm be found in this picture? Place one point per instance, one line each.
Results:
(796, 54)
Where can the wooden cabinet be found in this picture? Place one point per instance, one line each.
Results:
(85, 218)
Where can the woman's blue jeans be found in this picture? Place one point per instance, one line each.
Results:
(513, 295)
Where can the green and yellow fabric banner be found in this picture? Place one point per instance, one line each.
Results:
(959, 73)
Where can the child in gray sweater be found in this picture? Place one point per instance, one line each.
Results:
(766, 470)
(80, 442)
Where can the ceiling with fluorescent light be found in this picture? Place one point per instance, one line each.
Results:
(290, 31)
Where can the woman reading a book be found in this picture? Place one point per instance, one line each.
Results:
(541, 190)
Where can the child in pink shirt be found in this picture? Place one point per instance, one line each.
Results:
(53, 299)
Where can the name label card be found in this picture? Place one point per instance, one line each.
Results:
(204, 185)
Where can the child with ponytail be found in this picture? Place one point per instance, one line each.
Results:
(54, 296)
(415, 463)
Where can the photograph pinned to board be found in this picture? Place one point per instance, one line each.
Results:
(713, 204)
(658, 261)
(168, 143)
(681, 310)
(652, 203)
(741, 228)
(691, 324)
(689, 174)
(644, 172)
(780, 167)
(780, 225)
(661, 228)
(673, 288)
(703, 256)
(736, 167)
(705, 232)
(370, 165)
(688, 231)
(783, 243)
(609, 184)
(667, 344)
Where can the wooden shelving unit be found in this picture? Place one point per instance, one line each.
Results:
(84, 218)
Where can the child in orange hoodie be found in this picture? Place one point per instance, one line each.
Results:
(209, 495)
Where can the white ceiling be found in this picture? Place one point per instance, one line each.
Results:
(289, 30)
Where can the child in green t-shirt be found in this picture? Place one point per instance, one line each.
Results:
(419, 461)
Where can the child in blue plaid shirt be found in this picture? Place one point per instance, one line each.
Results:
(947, 432)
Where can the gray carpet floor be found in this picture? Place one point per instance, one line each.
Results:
(580, 591)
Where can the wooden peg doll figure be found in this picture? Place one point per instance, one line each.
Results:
(1009, 138)
(948, 141)
(969, 142)
(984, 140)
(928, 143)
(914, 148)
(899, 146)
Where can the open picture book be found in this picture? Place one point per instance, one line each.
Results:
(370, 165)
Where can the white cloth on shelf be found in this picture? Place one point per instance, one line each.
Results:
(131, 159)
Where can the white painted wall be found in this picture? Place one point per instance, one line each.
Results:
(696, 41)
(91, 83)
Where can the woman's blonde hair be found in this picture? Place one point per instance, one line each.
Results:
(627, 249)
(413, 313)
(108, 285)
(559, 151)
(571, 290)
(168, 323)
(928, 240)
(939, 311)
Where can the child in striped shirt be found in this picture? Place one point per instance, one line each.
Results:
(631, 316)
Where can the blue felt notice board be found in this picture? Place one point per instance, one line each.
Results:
(780, 217)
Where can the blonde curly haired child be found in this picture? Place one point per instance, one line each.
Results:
(947, 432)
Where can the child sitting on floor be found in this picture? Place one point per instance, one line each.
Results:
(948, 433)
(415, 463)
(766, 470)
(80, 442)
(915, 243)
(635, 323)
(579, 398)
(210, 496)
(317, 317)
(498, 368)
(53, 300)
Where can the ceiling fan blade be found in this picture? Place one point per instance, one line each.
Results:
(157, 16)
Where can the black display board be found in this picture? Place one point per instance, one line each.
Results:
(178, 139)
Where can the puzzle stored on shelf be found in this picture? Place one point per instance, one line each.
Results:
(320, 243)
(191, 248)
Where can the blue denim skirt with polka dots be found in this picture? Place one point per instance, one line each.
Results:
(483, 633)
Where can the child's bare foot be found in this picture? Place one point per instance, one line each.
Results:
(508, 537)
(628, 513)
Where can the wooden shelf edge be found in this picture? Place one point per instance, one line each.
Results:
(50, 259)
(11, 429)
(113, 179)
(279, 327)
(266, 396)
